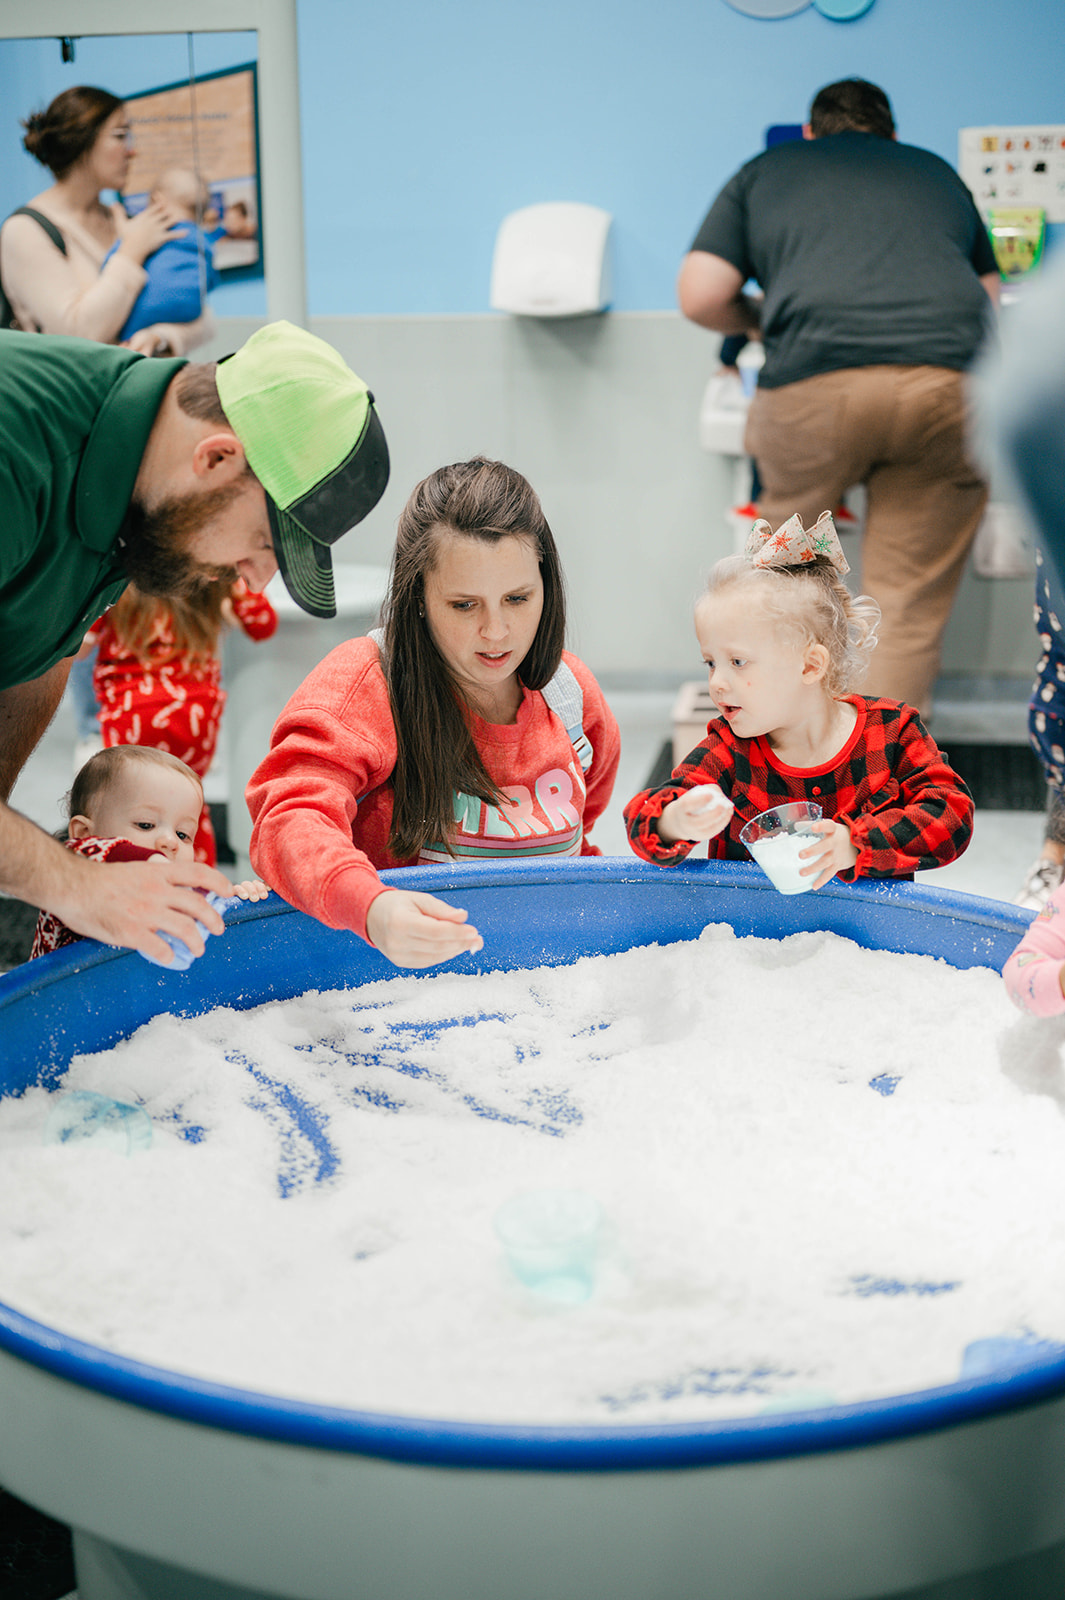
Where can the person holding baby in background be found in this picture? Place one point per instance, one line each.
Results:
(68, 262)
(785, 642)
(181, 272)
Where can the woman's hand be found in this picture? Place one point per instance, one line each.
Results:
(698, 814)
(139, 236)
(834, 852)
(418, 930)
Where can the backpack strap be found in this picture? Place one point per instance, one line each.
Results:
(7, 312)
(565, 697)
(46, 223)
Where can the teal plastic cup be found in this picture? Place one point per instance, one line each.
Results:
(551, 1239)
(82, 1115)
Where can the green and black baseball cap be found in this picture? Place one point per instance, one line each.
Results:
(313, 439)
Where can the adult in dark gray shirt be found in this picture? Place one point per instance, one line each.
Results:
(878, 280)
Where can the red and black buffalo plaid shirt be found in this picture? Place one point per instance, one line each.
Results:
(905, 807)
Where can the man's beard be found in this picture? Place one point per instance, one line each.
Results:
(153, 543)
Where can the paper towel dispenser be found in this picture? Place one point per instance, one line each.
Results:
(552, 261)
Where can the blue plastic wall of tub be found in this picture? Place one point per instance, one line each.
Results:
(87, 998)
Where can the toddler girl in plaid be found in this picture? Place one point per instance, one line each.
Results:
(784, 642)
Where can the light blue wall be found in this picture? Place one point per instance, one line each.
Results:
(423, 124)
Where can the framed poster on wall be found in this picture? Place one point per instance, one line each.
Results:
(209, 124)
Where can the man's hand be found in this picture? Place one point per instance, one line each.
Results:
(129, 902)
(418, 930)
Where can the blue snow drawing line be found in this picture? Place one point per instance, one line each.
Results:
(865, 1285)
(305, 1147)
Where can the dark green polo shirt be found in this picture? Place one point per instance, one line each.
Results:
(74, 421)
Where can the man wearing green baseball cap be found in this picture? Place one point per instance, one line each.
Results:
(115, 468)
(313, 440)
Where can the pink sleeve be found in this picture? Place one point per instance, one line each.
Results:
(333, 742)
(1033, 971)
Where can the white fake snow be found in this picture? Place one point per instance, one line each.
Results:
(775, 1226)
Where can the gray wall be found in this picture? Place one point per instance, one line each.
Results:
(601, 414)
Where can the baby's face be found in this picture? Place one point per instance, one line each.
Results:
(149, 805)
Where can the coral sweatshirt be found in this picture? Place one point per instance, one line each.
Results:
(321, 801)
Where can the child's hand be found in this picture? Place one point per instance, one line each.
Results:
(251, 889)
(834, 852)
(698, 814)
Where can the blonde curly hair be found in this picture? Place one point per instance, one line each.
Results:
(811, 602)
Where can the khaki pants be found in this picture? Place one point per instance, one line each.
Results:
(901, 431)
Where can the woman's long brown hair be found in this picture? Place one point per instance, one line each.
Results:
(438, 757)
(68, 127)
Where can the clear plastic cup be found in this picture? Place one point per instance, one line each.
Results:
(775, 838)
(83, 1114)
(551, 1237)
(183, 957)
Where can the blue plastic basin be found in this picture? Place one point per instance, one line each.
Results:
(544, 912)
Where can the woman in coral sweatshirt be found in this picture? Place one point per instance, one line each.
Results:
(461, 731)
